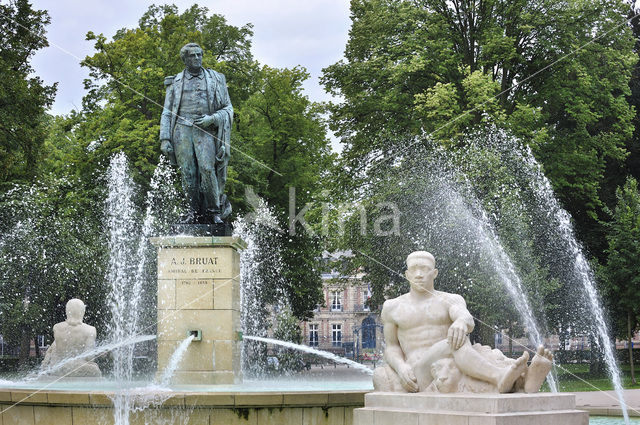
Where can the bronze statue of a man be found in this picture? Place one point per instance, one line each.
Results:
(195, 131)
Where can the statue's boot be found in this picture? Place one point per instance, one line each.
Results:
(213, 216)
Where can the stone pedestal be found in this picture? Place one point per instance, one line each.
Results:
(469, 409)
(199, 290)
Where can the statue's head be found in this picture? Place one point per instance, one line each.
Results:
(421, 271)
(191, 55)
(446, 375)
(75, 311)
